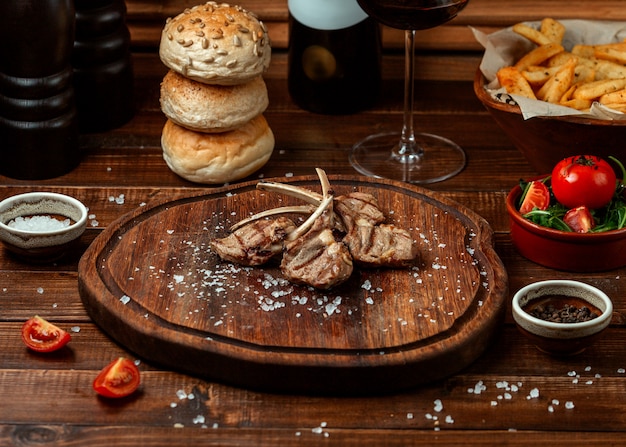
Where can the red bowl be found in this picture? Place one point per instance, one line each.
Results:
(561, 250)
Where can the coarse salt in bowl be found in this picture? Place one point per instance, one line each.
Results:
(559, 338)
(41, 226)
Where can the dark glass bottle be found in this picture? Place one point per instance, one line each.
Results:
(334, 56)
(38, 126)
(103, 73)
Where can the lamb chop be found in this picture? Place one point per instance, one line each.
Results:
(255, 242)
(312, 256)
(372, 243)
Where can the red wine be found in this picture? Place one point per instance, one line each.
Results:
(413, 14)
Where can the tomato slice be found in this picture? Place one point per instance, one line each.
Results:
(119, 378)
(42, 336)
(537, 196)
(579, 219)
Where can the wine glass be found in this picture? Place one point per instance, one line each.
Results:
(409, 156)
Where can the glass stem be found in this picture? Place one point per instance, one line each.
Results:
(407, 150)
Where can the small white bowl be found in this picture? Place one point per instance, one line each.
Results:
(41, 243)
(562, 338)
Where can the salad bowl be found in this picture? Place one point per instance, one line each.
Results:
(564, 250)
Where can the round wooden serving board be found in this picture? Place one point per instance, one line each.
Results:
(151, 282)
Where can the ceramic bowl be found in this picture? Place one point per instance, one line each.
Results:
(26, 230)
(561, 338)
(544, 141)
(562, 250)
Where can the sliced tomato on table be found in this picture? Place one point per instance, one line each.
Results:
(579, 219)
(43, 336)
(536, 196)
(119, 378)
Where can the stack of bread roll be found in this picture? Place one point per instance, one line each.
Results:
(214, 94)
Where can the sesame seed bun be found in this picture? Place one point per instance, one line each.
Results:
(214, 158)
(216, 44)
(211, 108)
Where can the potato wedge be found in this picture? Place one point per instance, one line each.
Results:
(553, 30)
(611, 54)
(578, 104)
(593, 90)
(609, 70)
(538, 75)
(531, 34)
(554, 89)
(512, 80)
(538, 55)
(616, 97)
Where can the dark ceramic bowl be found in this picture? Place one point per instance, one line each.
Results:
(562, 250)
(544, 141)
(561, 338)
(41, 243)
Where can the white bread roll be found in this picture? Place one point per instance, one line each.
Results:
(211, 108)
(214, 158)
(216, 44)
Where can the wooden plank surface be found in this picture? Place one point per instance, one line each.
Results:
(47, 400)
(146, 19)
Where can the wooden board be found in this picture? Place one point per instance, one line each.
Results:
(150, 281)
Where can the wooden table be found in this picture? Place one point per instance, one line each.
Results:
(512, 394)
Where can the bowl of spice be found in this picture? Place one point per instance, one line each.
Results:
(561, 317)
(41, 226)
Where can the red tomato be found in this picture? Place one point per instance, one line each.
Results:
(579, 219)
(537, 196)
(119, 378)
(583, 180)
(42, 336)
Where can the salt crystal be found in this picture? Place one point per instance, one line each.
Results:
(178, 278)
(569, 404)
(125, 299)
(40, 290)
(198, 419)
(621, 370)
(438, 405)
(534, 393)
(449, 419)
(38, 223)
(75, 329)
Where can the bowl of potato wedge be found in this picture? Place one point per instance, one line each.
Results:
(557, 89)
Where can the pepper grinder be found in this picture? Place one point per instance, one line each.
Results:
(38, 122)
(103, 73)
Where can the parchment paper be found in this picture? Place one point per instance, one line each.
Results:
(505, 47)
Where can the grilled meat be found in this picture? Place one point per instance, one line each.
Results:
(256, 242)
(372, 243)
(315, 258)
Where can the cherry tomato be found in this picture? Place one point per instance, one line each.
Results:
(537, 196)
(119, 378)
(579, 219)
(583, 180)
(42, 336)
